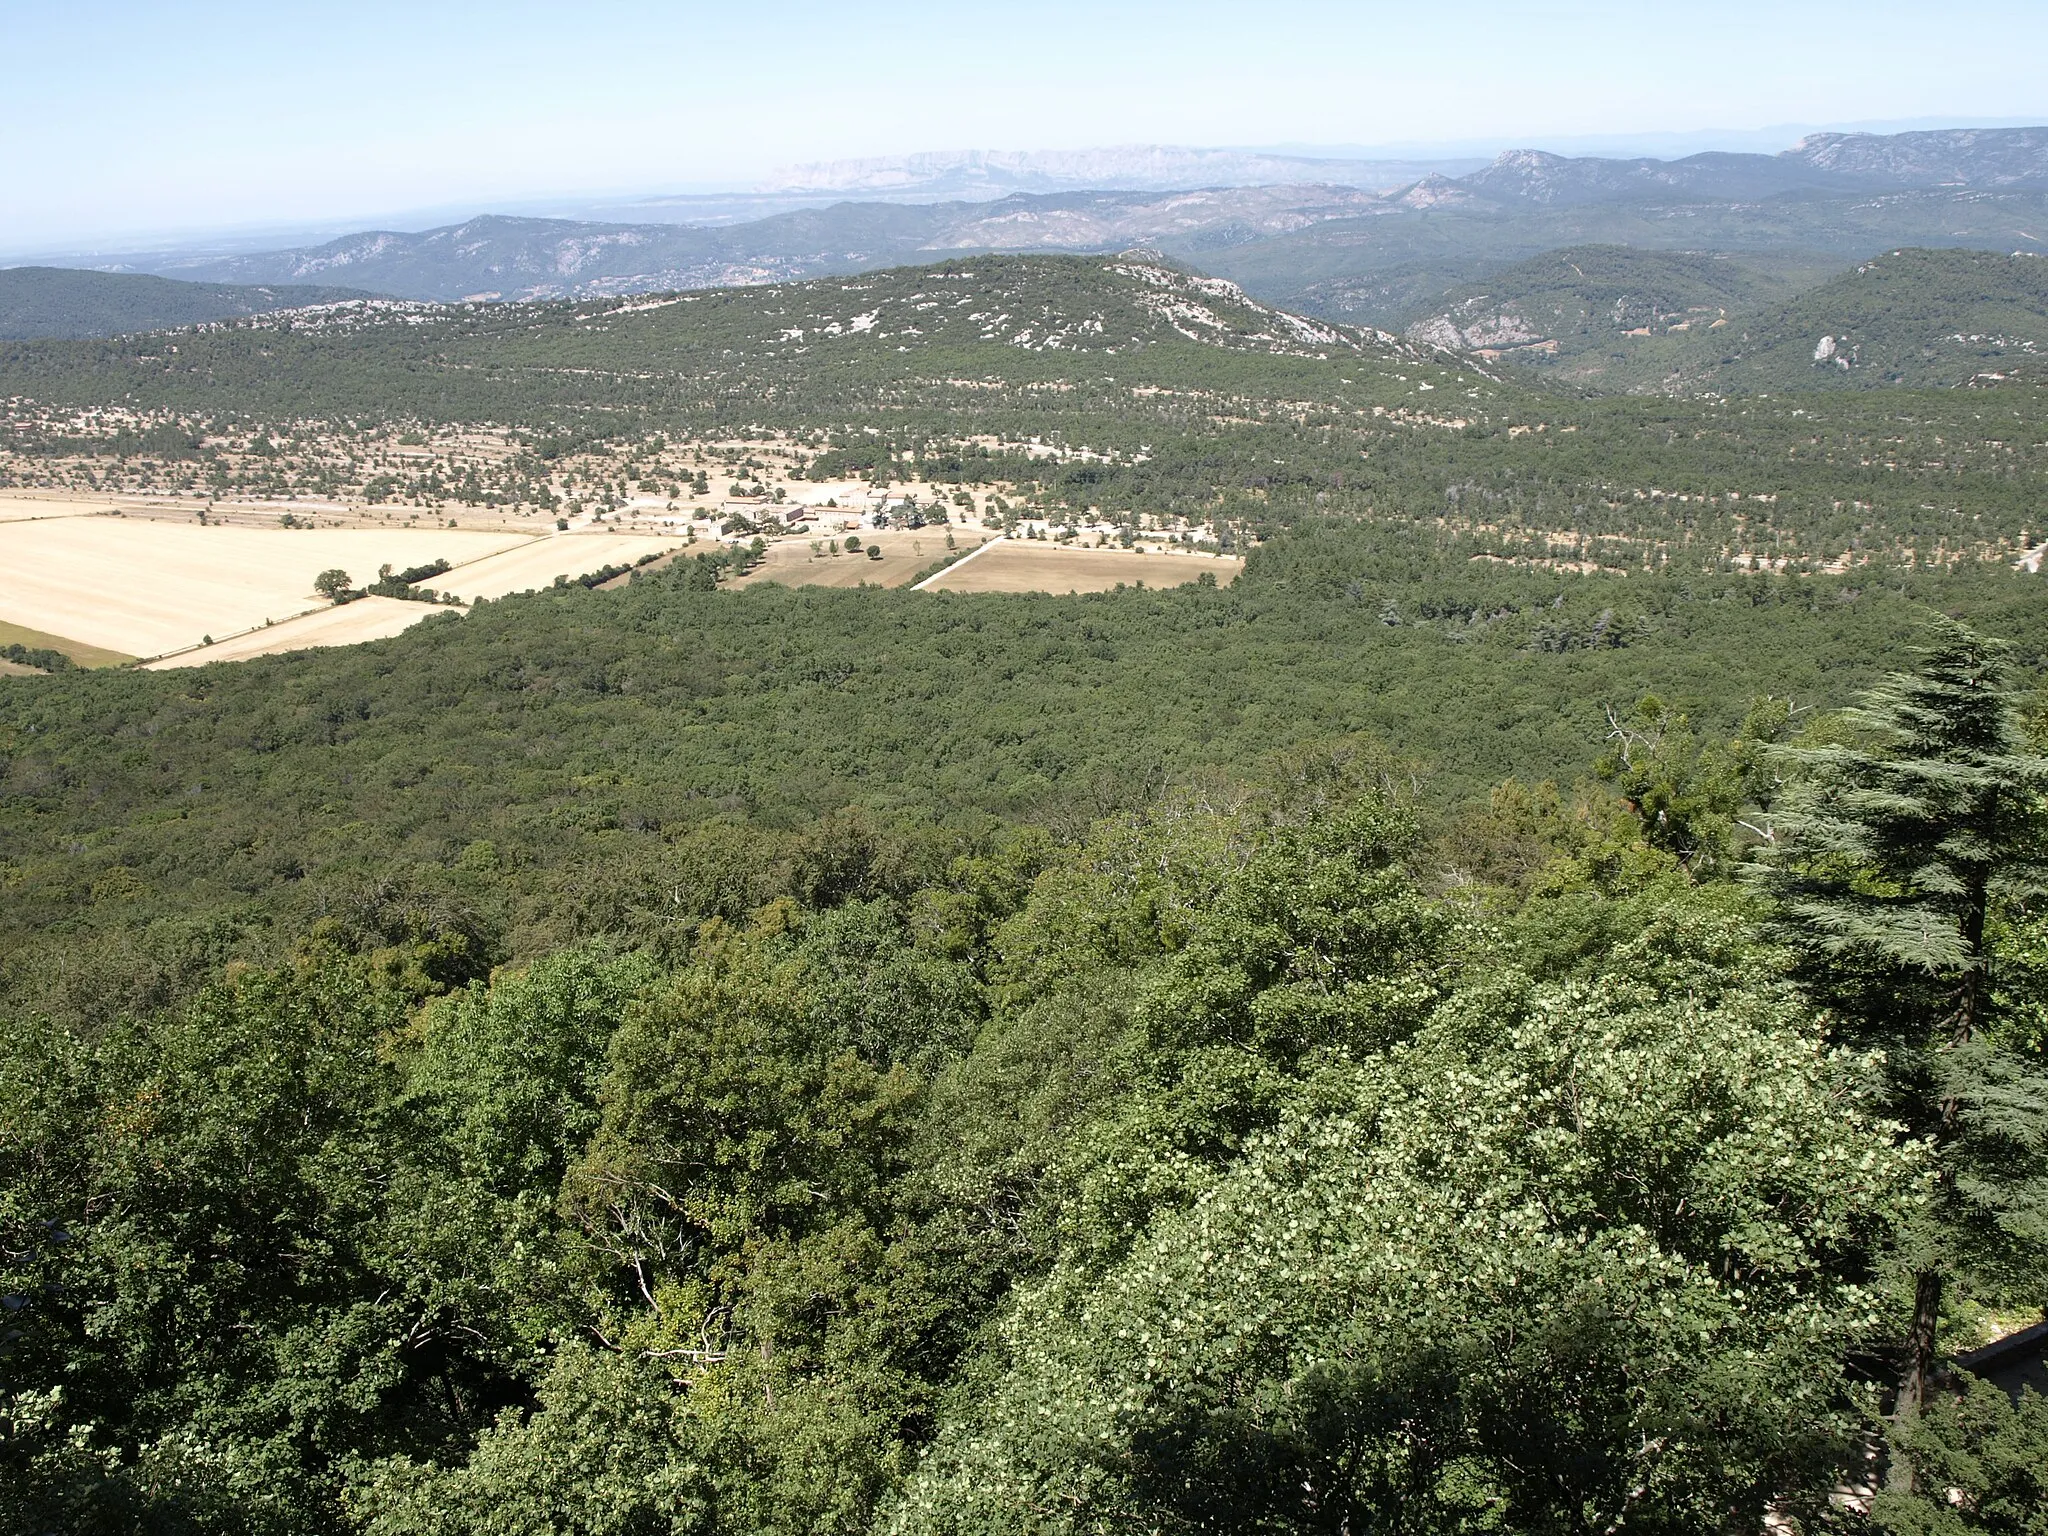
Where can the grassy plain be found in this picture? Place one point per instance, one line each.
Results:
(83, 655)
(1020, 566)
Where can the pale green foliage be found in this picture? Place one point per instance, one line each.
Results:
(1688, 793)
(1569, 1254)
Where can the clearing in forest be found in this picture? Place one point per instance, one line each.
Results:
(1017, 565)
(905, 552)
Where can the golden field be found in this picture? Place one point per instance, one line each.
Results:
(145, 587)
(1017, 565)
(537, 562)
(86, 581)
(905, 552)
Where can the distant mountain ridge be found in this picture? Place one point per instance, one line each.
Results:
(981, 175)
(498, 257)
(1323, 246)
(1828, 162)
(1982, 157)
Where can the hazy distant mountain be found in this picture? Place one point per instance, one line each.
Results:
(495, 257)
(1822, 162)
(1183, 222)
(1384, 270)
(1532, 176)
(1330, 245)
(976, 174)
(1829, 163)
(62, 301)
(1973, 157)
(506, 258)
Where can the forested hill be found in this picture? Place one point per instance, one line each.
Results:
(1911, 318)
(1616, 318)
(59, 301)
(780, 351)
(1597, 314)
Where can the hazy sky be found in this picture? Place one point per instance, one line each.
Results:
(137, 116)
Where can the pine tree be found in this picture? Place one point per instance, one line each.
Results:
(1893, 854)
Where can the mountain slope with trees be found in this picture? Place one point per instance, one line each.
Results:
(1610, 317)
(1906, 319)
(60, 301)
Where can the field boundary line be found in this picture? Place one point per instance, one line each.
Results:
(207, 645)
(954, 565)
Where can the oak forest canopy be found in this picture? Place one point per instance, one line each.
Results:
(1380, 871)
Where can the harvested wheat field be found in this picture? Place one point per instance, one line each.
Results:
(905, 552)
(1016, 565)
(367, 618)
(20, 509)
(146, 588)
(537, 562)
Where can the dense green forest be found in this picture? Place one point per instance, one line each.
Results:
(1527, 1012)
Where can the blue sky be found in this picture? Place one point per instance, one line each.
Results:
(123, 119)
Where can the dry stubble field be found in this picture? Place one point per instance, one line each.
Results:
(143, 587)
(538, 562)
(904, 553)
(138, 586)
(1018, 565)
(367, 618)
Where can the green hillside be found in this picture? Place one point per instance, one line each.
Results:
(1345, 269)
(1585, 312)
(1119, 384)
(60, 301)
(1907, 319)
(782, 352)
